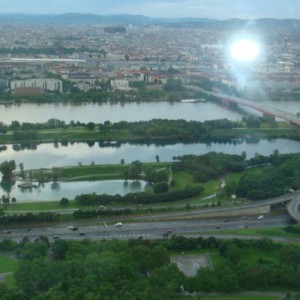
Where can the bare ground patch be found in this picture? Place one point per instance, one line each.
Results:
(190, 264)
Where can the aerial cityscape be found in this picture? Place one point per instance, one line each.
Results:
(149, 150)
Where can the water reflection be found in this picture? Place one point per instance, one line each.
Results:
(47, 156)
(52, 191)
(6, 186)
(55, 186)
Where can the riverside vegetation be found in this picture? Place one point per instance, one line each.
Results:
(156, 130)
(257, 178)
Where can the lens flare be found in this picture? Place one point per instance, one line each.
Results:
(245, 50)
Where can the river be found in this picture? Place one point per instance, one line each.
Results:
(130, 111)
(50, 155)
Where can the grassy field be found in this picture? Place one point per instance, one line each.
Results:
(40, 206)
(92, 172)
(7, 264)
(252, 255)
(262, 232)
(232, 297)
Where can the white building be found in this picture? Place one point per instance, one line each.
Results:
(51, 85)
(120, 84)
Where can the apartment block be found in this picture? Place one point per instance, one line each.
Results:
(51, 85)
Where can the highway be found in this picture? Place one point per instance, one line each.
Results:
(152, 226)
(145, 229)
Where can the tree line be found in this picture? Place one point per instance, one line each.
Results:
(279, 173)
(137, 198)
(142, 269)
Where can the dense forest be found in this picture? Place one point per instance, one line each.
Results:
(278, 173)
(142, 269)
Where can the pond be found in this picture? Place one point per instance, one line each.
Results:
(53, 191)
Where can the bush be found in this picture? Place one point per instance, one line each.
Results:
(161, 187)
(64, 201)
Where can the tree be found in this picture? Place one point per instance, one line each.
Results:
(7, 168)
(161, 187)
(161, 175)
(21, 166)
(64, 201)
(135, 169)
(90, 126)
(157, 158)
(122, 162)
(173, 85)
(150, 174)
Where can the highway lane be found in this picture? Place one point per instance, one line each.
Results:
(149, 230)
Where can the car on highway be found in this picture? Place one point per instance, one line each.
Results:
(261, 217)
(119, 224)
(218, 226)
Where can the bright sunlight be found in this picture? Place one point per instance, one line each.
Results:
(245, 50)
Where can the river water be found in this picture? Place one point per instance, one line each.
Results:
(133, 111)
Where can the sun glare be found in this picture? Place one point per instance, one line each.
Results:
(245, 50)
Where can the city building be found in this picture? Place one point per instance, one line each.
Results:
(46, 85)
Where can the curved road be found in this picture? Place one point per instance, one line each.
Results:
(293, 208)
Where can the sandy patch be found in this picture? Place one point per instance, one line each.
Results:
(190, 264)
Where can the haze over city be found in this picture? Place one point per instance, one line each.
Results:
(219, 9)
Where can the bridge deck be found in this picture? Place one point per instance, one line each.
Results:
(265, 109)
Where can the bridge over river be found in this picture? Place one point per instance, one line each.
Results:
(265, 109)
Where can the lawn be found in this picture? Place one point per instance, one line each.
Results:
(94, 172)
(262, 232)
(232, 297)
(39, 206)
(7, 264)
(252, 255)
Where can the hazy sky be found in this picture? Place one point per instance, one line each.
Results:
(221, 9)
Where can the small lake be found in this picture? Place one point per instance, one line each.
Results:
(56, 190)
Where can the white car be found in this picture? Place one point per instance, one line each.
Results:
(119, 224)
(260, 217)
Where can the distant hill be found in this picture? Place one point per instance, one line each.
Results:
(77, 18)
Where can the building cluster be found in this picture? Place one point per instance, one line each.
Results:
(90, 54)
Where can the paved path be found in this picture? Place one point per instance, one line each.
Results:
(3, 276)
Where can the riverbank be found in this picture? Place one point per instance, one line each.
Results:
(156, 131)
